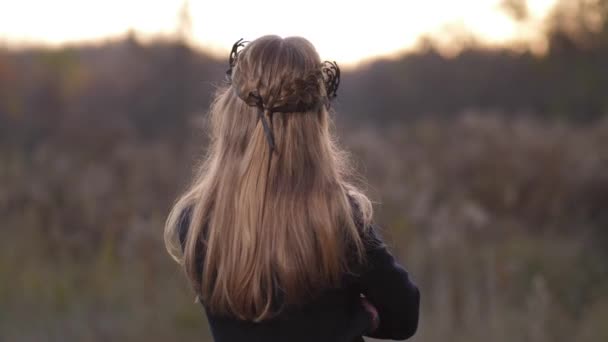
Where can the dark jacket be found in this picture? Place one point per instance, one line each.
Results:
(337, 315)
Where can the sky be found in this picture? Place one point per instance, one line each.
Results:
(346, 31)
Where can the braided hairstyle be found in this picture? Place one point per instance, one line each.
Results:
(298, 92)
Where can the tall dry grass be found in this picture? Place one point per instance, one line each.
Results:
(501, 221)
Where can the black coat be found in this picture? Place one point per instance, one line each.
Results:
(337, 315)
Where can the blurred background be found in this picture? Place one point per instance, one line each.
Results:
(480, 126)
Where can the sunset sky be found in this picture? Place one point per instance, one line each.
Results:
(347, 31)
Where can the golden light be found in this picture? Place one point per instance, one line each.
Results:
(347, 31)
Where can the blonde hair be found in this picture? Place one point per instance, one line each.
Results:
(268, 222)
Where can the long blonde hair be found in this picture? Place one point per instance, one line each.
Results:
(268, 221)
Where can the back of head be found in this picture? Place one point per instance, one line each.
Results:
(270, 203)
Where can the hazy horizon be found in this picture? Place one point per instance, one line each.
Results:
(350, 35)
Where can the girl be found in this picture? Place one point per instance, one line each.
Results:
(277, 244)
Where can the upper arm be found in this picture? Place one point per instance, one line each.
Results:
(387, 285)
(182, 226)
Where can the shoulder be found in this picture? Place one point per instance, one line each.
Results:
(183, 226)
(369, 231)
(357, 212)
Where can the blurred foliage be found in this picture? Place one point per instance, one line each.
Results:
(566, 82)
(491, 168)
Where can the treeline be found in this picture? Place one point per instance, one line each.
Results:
(569, 81)
(105, 91)
(126, 87)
